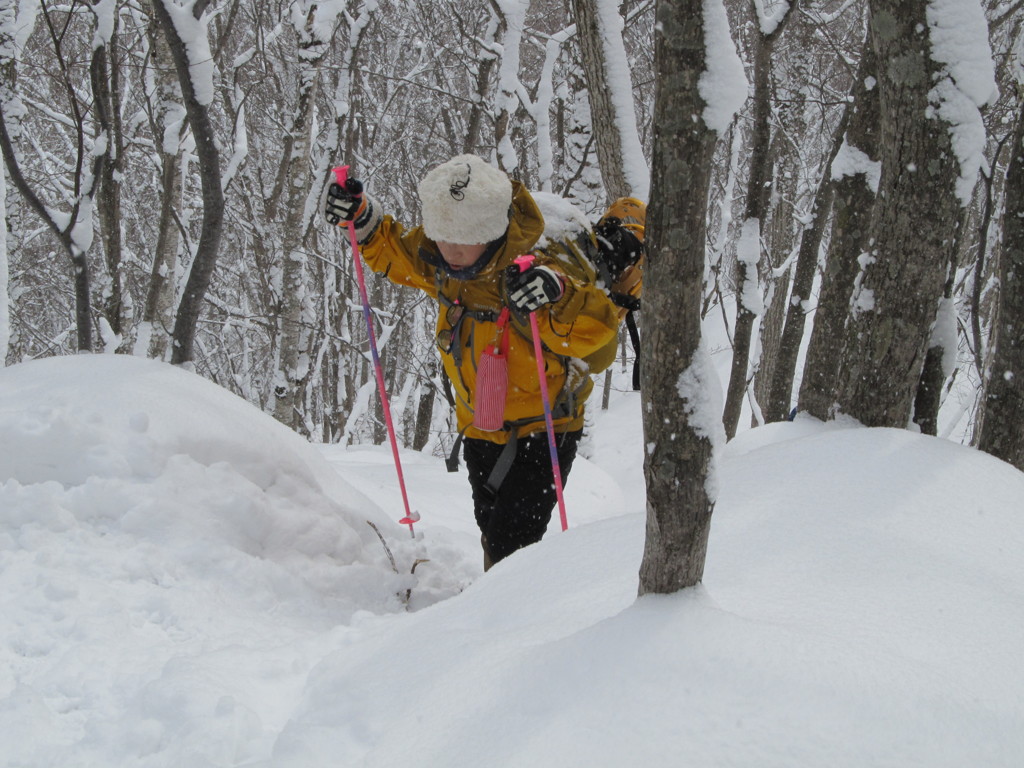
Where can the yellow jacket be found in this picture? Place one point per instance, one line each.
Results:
(582, 321)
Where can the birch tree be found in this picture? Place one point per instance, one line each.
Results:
(314, 26)
(168, 127)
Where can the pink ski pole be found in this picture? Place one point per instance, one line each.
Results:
(341, 175)
(523, 262)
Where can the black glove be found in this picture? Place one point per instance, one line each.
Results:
(532, 288)
(620, 248)
(343, 204)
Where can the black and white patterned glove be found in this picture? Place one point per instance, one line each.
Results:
(347, 203)
(532, 288)
(343, 204)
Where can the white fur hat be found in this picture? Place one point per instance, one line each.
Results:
(465, 201)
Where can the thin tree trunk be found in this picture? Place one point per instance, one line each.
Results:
(778, 404)
(748, 294)
(1001, 433)
(81, 208)
(158, 312)
(293, 358)
(205, 260)
(105, 78)
(425, 409)
(594, 36)
(855, 190)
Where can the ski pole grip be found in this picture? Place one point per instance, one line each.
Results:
(352, 186)
(524, 262)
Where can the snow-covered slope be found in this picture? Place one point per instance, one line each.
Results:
(185, 583)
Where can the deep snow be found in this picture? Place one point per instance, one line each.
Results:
(184, 582)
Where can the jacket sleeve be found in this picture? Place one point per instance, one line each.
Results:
(582, 321)
(394, 252)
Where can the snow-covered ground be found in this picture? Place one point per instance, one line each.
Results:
(184, 582)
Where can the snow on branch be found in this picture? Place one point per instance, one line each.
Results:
(770, 14)
(851, 161)
(196, 39)
(958, 34)
(723, 84)
(106, 13)
(620, 85)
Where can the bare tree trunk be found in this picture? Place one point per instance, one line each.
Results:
(677, 430)
(748, 293)
(158, 312)
(1001, 433)
(105, 77)
(425, 408)
(928, 399)
(594, 35)
(913, 226)
(84, 180)
(293, 359)
(854, 197)
(778, 403)
(187, 320)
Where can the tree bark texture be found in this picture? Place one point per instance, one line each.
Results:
(913, 226)
(105, 77)
(294, 346)
(678, 459)
(851, 220)
(158, 311)
(780, 239)
(1001, 433)
(205, 259)
(928, 399)
(607, 136)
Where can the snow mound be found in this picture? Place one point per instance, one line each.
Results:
(862, 604)
(153, 526)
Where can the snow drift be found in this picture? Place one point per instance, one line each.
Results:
(185, 583)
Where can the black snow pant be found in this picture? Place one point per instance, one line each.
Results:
(519, 513)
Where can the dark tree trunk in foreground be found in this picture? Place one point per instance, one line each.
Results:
(914, 225)
(1001, 432)
(679, 451)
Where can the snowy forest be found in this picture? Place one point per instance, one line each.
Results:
(165, 163)
(202, 561)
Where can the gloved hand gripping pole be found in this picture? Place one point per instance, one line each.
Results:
(523, 263)
(341, 175)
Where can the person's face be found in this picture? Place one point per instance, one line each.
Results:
(460, 256)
